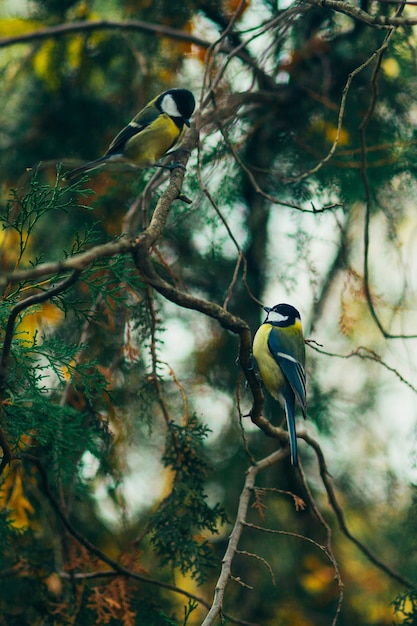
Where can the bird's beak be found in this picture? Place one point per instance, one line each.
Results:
(266, 309)
(187, 122)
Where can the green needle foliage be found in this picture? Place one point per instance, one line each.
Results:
(131, 418)
(184, 516)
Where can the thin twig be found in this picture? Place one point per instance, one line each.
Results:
(329, 548)
(362, 352)
(327, 482)
(264, 561)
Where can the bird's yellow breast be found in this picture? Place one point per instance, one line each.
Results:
(152, 142)
(269, 369)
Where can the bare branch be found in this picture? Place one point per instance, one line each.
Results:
(93, 25)
(232, 546)
(331, 494)
(355, 12)
(262, 560)
(362, 352)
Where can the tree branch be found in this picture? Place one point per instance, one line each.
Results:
(356, 13)
(93, 25)
(331, 494)
(225, 574)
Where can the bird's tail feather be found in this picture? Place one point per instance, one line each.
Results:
(290, 412)
(87, 167)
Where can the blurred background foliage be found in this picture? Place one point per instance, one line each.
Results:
(122, 404)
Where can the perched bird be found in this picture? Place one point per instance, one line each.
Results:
(279, 351)
(155, 130)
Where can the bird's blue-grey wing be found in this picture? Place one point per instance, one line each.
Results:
(291, 368)
(143, 119)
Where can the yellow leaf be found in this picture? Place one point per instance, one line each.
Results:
(13, 499)
(391, 67)
(45, 316)
(44, 66)
(9, 248)
(329, 130)
(14, 26)
(320, 578)
(67, 370)
(331, 134)
(75, 49)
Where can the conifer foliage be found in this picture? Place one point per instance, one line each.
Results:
(144, 475)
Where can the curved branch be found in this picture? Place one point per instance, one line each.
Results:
(93, 25)
(77, 262)
(331, 495)
(175, 34)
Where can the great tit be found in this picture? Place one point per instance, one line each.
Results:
(152, 132)
(279, 351)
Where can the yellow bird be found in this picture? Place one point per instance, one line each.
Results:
(153, 131)
(279, 351)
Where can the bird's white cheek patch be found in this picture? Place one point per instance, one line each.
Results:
(273, 316)
(169, 106)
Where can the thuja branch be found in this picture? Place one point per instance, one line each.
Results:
(143, 242)
(118, 569)
(37, 298)
(78, 263)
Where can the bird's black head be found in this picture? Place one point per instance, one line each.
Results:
(282, 315)
(177, 103)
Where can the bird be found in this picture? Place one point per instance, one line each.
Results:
(279, 352)
(157, 128)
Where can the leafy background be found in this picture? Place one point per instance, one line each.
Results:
(124, 406)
